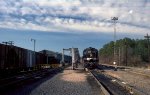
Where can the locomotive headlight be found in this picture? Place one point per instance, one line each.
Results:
(88, 59)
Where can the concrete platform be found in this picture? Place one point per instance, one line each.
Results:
(69, 82)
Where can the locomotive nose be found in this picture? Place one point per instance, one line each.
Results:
(91, 60)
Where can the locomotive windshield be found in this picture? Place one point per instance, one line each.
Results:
(91, 54)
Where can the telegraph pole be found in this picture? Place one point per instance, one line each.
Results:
(8, 43)
(114, 19)
(119, 63)
(11, 42)
(126, 52)
(148, 38)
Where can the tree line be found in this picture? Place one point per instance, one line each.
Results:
(128, 52)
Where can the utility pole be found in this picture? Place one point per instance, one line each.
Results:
(119, 63)
(114, 19)
(8, 43)
(148, 38)
(11, 42)
(126, 52)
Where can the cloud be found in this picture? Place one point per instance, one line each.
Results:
(76, 15)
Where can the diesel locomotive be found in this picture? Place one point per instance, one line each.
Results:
(90, 58)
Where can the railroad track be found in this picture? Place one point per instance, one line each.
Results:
(129, 77)
(109, 85)
(138, 73)
(130, 70)
(16, 81)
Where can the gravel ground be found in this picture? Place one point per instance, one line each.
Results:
(141, 70)
(138, 82)
(69, 82)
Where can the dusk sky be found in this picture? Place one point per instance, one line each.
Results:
(57, 24)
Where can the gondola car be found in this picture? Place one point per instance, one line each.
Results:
(90, 58)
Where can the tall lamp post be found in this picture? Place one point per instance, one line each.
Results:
(34, 41)
(114, 19)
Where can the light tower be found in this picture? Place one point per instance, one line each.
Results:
(114, 19)
(34, 41)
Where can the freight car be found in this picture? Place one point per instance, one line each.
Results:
(90, 58)
(15, 59)
(12, 57)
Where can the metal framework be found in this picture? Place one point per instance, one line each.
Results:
(114, 19)
(64, 52)
(73, 54)
(63, 63)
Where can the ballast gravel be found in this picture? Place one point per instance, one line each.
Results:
(69, 82)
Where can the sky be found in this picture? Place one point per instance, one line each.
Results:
(58, 24)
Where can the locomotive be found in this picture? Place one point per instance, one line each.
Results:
(90, 58)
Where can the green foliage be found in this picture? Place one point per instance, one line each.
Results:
(133, 49)
(107, 49)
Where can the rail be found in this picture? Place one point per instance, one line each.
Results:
(108, 86)
(103, 88)
(13, 82)
(134, 70)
